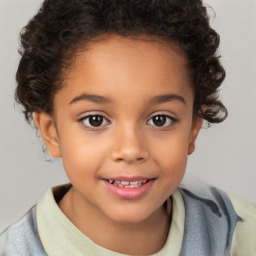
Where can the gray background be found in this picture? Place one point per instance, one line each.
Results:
(225, 155)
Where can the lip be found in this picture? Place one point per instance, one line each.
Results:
(129, 193)
(126, 178)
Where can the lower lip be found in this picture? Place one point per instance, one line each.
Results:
(129, 193)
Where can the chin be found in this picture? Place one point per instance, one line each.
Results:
(129, 216)
(128, 219)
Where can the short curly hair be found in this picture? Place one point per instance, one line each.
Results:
(60, 27)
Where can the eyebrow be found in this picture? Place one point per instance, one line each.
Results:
(165, 98)
(91, 97)
(103, 100)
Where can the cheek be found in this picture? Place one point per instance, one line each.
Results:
(172, 167)
(81, 156)
(173, 162)
(172, 153)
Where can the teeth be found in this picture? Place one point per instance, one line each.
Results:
(127, 184)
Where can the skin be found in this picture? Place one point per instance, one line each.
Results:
(129, 72)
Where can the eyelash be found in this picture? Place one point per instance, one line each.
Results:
(91, 128)
(172, 121)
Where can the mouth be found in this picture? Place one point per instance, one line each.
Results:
(129, 188)
(128, 184)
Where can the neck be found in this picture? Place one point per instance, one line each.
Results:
(144, 238)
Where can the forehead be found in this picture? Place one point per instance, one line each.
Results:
(114, 65)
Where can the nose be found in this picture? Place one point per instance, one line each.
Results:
(129, 146)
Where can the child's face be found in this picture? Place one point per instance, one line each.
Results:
(144, 129)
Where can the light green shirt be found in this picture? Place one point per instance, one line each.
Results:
(60, 237)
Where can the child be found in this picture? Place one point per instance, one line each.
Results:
(119, 89)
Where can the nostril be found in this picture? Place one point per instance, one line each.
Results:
(129, 154)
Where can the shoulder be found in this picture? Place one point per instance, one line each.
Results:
(244, 239)
(21, 237)
(210, 200)
(245, 210)
(218, 220)
(17, 229)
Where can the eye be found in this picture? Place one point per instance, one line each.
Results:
(92, 121)
(162, 121)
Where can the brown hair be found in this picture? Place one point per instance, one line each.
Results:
(61, 26)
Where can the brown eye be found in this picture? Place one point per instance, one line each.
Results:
(162, 120)
(93, 120)
(159, 120)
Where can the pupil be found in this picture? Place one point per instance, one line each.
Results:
(159, 120)
(96, 120)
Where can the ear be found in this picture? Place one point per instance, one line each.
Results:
(195, 128)
(46, 125)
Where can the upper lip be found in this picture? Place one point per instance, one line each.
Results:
(127, 178)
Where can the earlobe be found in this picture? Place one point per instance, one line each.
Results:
(196, 126)
(46, 125)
